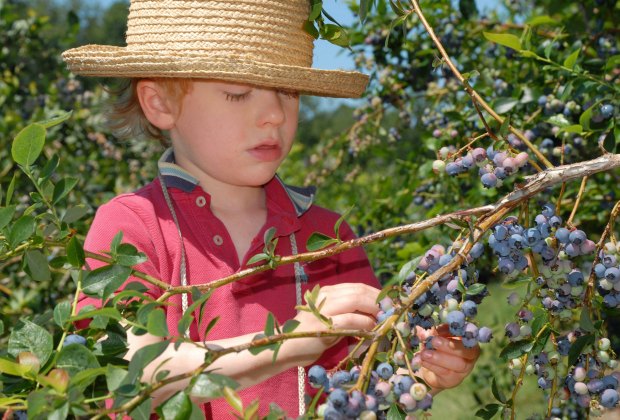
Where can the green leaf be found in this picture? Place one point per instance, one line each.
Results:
(142, 358)
(335, 34)
(28, 145)
(609, 143)
(177, 407)
(9, 191)
(475, 289)
(585, 322)
(572, 59)
(62, 312)
(257, 258)
(211, 385)
(59, 119)
(75, 358)
(507, 40)
(269, 235)
(128, 255)
(90, 313)
(311, 29)
(339, 222)
(6, 215)
(468, 8)
(539, 321)
(73, 214)
(62, 188)
(290, 326)
(22, 229)
(397, 8)
(105, 280)
(318, 241)
(395, 413)
(233, 399)
(75, 253)
(49, 167)
(578, 346)
(539, 342)
(269, 325)
(116, 241)
(188, 316)
(503, 105)
(315, 11)
(37, 265)
(586, 116)
(156, 324)
(497, 393)
(12, 368)
(542, 20)
(28, 336)
(516, 349)
(114, 376)
(365, 6)
(574, 128)
(489, 411)
(143, 411)
(87, 376)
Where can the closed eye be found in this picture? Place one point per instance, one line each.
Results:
(236, 97)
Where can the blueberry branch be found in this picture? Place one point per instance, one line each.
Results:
(472, 93)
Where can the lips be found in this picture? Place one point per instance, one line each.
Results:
(267, 151)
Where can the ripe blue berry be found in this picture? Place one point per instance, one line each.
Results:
(385, 370)
(74, 339)
(607, 111)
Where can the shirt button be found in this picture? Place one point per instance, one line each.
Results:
(201, 201)
(217, 239)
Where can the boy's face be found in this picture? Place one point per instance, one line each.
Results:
(234, 134)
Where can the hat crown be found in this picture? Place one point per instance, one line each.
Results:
(268, 31)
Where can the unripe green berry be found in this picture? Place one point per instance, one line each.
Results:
(603, 344)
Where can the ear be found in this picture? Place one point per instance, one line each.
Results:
(156, 104)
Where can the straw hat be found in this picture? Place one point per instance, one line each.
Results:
(259, 42)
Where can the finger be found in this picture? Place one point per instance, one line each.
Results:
(353, 321)
(440, 378)
(349, 298)
(454, 346)
(437, 360)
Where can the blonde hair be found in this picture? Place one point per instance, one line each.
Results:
(125, 117)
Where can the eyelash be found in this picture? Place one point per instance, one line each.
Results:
(237, 97)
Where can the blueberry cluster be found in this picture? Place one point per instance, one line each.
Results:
(494, 166)
(608, 274)
(588, 386)
(385, 388)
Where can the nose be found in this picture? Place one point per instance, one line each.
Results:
(272, 108)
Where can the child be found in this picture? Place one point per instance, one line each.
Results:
(223, 79)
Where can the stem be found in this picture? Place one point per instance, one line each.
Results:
(472, 93)
(582, 188)
(518, 384)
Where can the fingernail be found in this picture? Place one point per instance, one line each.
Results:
(437, 342)
(427, 355)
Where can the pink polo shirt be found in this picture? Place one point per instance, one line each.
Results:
(146, 222)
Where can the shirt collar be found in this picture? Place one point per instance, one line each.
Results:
(174, 176)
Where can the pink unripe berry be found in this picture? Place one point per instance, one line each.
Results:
(382, 389)
(587, 247)
(407, 401)
(436, 132)
(522, 159)
(581, 388)
(479, 154)
(579, 374)
(510, 165)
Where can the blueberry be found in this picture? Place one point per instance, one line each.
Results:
(489, 180)
(609, 398)
(338, 398)
(612, 274)
(317, 376)
(577, 237)
(476, 250)
(607, 111)
(469, 308)
(340, 378)
(485, 334)
(74, 339)
(385, 370)
(562, 235)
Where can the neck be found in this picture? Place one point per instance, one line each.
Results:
(231, 199)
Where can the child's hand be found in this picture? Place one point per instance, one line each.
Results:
(449, 363)
(349, 305)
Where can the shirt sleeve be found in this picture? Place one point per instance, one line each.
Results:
(110, 219)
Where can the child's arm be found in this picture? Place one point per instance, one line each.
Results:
(350, 305)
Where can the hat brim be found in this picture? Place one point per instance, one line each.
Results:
(110, 61)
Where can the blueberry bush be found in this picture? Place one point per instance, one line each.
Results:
(484, 153)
